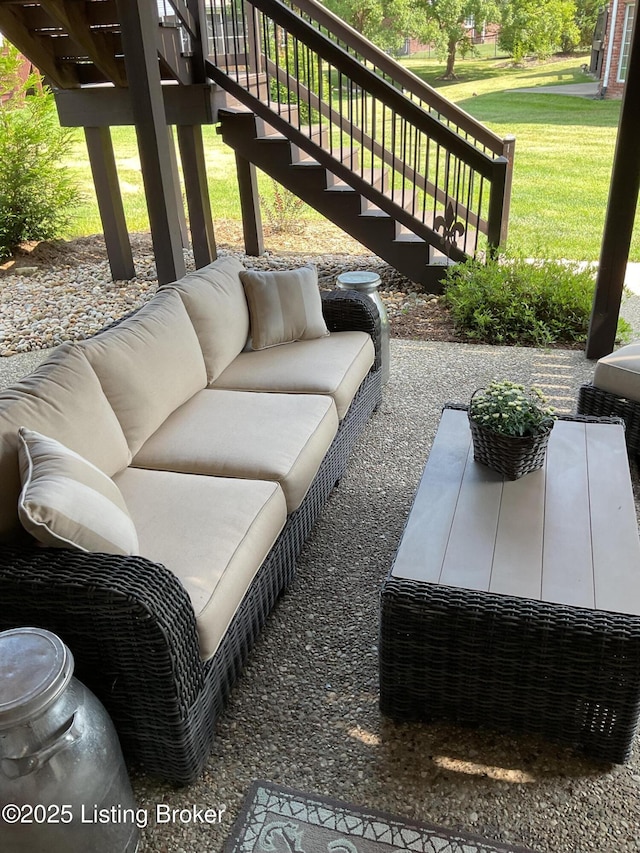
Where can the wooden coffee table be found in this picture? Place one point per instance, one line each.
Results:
(516, 604)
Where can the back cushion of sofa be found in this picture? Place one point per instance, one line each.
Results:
(63, 399)
(216, 304)
(148, 365)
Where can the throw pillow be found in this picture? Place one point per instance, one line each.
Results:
(284, 306)
(66, 502)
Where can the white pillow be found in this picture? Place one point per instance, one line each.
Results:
(284, 306)
(66, 502)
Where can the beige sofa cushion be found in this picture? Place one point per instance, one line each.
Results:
(619, 372)
(213, 533)
(66, 502)
(284, 306)
(148, 365)
(63, 399)
(279, 437)
(335, 365)
(216, 304)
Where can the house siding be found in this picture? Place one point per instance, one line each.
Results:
(618, 30)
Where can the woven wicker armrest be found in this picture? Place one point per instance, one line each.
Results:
(594, 401)
(348, 310)
(128, 622)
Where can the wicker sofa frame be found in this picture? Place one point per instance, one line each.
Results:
(129, 622)
(594, 401)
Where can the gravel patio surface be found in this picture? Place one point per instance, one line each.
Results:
(305, 712)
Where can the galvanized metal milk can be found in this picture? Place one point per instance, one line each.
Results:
(368, 283)
(64, 786)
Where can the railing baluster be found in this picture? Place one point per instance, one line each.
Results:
(468, 204)
(437, 185)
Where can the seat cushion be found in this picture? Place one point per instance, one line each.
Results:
(63, 399)
(217, 307)
(148, 365)
(213, 533)
(619, 372)
(66, 502)
(284, 306)
(335, 365)
(279, 437)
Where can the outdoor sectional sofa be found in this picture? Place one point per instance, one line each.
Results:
(197, 441)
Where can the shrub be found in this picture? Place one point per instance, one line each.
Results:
(283, 211)
(515, 301)
(36, 192)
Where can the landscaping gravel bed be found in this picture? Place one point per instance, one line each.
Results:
(61, 294)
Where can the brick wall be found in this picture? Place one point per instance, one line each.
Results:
(615, 32)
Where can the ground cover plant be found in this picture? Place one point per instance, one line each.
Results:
(514, 300)
(564, 153)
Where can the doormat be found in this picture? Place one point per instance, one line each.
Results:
(280, 820)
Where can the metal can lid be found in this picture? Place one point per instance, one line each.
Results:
(359, 277)
(35, 667)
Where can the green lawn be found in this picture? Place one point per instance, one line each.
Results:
(221, 172)
(564, 150)
(564, 153)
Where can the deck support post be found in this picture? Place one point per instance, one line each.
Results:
(138, 19)
(182, 219)
(114, 225)
(621, 210)
(197, 190)
(250, 206)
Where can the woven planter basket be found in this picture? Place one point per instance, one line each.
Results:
(511, 456)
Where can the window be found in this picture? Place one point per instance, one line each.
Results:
(626, 42)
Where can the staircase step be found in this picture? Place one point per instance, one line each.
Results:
(289, 112)
(374, 177)
(304, 159)
(402, 198)
(406, 236)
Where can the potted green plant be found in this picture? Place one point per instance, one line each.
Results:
(510, 427)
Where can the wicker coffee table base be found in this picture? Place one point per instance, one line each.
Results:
(480, 659)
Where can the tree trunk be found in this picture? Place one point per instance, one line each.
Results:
(451, 60)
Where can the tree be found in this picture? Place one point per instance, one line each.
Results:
(384, 22)
(537, 27)
(586, 16)
(445, 24)
(36, 192)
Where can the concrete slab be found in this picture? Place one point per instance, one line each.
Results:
(632, 277)
(580, 90)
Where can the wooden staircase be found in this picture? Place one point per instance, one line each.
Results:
(77, 44)
(358, 137)
(293, 168)
(296, 93)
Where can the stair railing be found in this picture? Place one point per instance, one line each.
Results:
(426, 96)
(187, 63)
(396, 73)
(408, 161)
